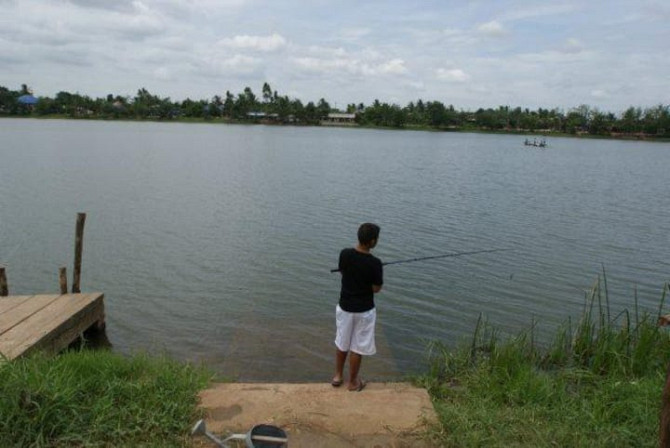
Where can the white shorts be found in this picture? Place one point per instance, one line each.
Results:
(356, 331)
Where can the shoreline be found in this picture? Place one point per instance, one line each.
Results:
(467, 130)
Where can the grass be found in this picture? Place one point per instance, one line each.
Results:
(598, 384)
(98, 399)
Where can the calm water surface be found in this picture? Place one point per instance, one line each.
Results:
(214, 242)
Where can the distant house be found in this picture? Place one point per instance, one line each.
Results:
(263, 117)
(342, 118)
(27, 100)
(337, 118)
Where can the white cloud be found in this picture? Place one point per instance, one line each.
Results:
(352, 66)
(416, 85)
(458, 38)
(572, 46)
(240, 63)
(163, 73)
(656, 10)
(117, 5)
(451, 75)
(599, 94)
(533, 12)
(136, 27)
(492, 29)
(528, 54)
(326, 51)
(394, 66)
(234, 66)
(554, 57)
(354, 33)
(259, 43)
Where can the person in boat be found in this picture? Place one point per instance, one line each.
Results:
(355, 314)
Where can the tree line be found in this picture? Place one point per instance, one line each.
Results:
(272, 107)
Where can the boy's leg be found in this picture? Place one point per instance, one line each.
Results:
(355, 361)
(340, 359)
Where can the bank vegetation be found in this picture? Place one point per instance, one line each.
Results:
(597, 383)
(272, 108)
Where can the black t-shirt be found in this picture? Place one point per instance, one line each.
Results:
(359, 272)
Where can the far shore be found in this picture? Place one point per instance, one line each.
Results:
(466, 129)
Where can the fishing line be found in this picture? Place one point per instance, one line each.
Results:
(433, 257)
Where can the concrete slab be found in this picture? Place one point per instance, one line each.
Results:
(319, 415)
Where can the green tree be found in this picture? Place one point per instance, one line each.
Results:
(298, 110)
(46, 106)
(656, 120)
(435, 112)
(229, 105)
(600, 123)
(631, 120)
(323, 109)
(267, 93)
(146, 105)
(577, 119)
(311, 115)
(8, 101)
(250, 98)
(216, 106)
(283, 108)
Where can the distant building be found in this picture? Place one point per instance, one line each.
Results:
(339, 119)
(263, 117)
(342, 118)
(27, 100)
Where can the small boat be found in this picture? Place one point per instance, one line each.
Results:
(539, 144)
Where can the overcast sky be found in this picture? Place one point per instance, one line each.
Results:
(607, 54)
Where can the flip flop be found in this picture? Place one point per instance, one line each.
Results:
(361, 386)
(335, 383)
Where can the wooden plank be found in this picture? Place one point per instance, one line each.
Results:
(38, 328)
(67, 316)
(67, 333)
(62, 274)
(24, 310)
(78, 249)
(7, 303)
(4, 291)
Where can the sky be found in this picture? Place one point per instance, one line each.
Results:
(470, 53)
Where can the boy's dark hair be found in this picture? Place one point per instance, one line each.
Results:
(368, 232)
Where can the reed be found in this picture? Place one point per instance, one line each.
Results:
(97, 399)
(597, 384)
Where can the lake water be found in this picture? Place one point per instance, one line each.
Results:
(214, 242)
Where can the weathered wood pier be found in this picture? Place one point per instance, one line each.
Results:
(49, 322)
(46, 322)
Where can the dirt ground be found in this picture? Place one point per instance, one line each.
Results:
(319, 415)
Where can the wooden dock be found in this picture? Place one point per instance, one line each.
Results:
(46, 322)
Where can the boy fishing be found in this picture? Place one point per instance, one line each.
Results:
(355, 314)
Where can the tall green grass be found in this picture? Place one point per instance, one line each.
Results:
(97, 399)
(598, 383)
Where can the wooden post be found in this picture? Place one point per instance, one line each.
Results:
(63, 280)
(3, 283)
(78, 248)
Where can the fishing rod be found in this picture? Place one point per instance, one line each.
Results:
(458, 254)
